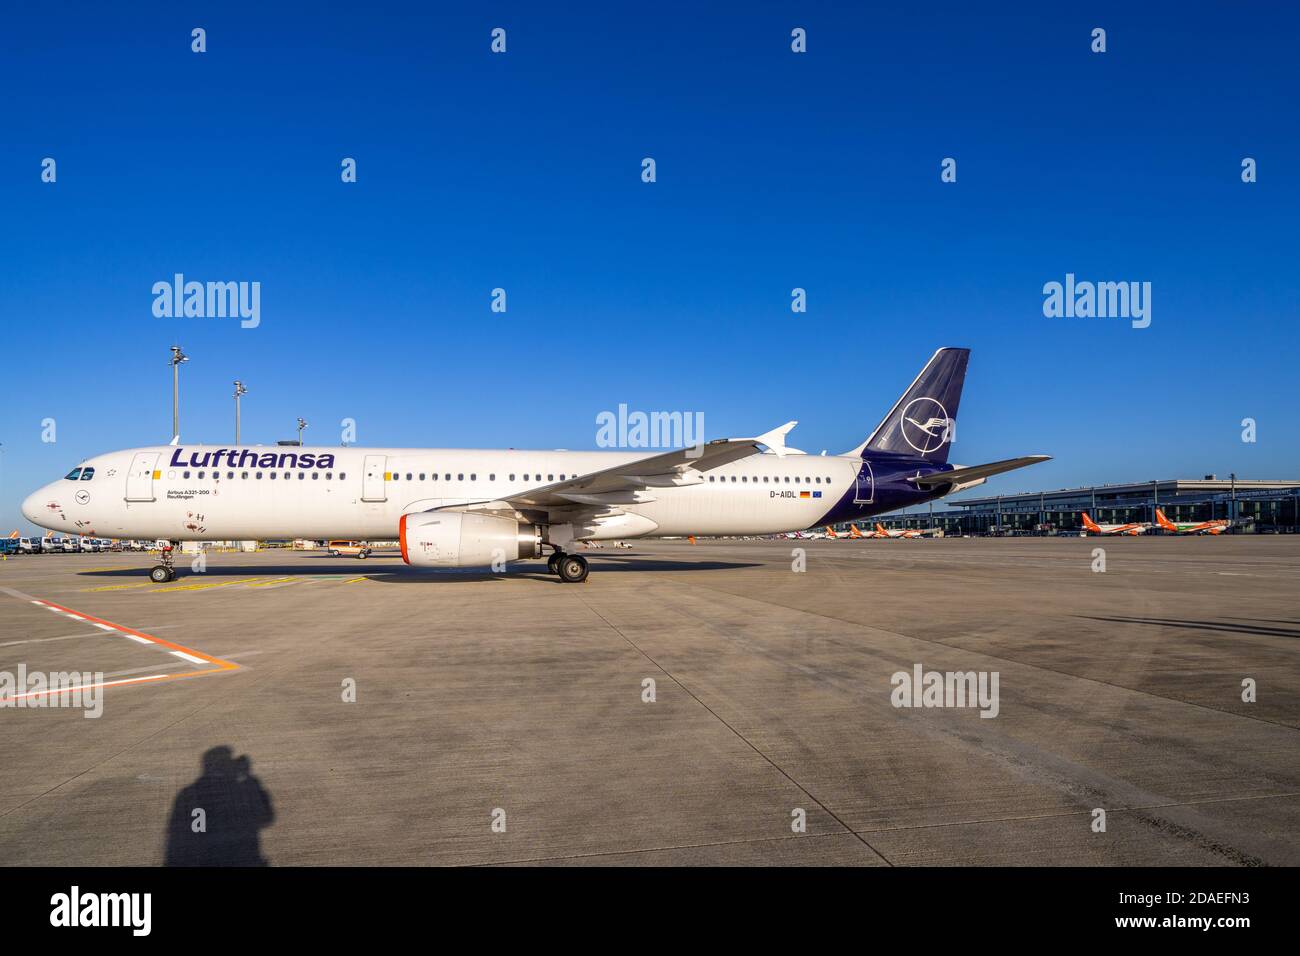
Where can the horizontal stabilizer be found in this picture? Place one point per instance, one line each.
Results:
(959, 476)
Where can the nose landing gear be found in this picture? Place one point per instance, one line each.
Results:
(164, 571)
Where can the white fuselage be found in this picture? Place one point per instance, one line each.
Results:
(189, 492)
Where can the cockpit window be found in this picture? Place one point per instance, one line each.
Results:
(73, 475)
(87, 474)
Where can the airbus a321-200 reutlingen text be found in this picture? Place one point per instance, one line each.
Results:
(453, 508)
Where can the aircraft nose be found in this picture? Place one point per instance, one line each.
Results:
(32, 507)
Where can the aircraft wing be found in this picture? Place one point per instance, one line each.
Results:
(958, 476)
(634, 481)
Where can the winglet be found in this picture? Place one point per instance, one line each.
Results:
(775, 439)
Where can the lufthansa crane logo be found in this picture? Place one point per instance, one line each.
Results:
(925, 424)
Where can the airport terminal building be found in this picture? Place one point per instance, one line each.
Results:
(1254, 506)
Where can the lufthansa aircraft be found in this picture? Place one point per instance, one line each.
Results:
(452, 507)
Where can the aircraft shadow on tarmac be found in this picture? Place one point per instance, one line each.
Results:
(1245, 625)
(401, 574)
(217, 820)
(537, 570)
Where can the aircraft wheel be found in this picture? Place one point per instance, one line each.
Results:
(552, 561)
(160, 574)
(572, 568)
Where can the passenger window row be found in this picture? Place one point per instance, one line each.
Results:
(329, 476)
(257, 475)
(86, 474)
(746, 479)
(473, 476)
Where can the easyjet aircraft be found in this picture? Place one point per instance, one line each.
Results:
(452, 507)
(1192, 527)
(883, 532)
(1136, 527)
(855, 533)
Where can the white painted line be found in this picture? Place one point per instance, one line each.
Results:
(139, 639)
(64, 690)
(190, 657)
(46, 640)
(104, 626)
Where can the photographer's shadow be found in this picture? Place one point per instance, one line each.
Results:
(216, 820)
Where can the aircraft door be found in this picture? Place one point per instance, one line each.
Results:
(865, 493)
(140, 477)
(373, 487)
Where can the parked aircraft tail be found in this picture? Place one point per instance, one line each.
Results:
(922, 423)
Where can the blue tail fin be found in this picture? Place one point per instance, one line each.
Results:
(923, 423)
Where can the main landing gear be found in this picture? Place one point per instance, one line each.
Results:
(163, 572)
(571, 568)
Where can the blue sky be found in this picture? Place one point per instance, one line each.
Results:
(775, 170)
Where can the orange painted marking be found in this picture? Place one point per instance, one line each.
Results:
(218, 663)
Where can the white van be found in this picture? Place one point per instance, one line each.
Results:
(29, 545)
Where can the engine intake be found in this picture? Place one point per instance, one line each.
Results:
(457, 539)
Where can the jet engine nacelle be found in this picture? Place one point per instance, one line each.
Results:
(456, 539)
